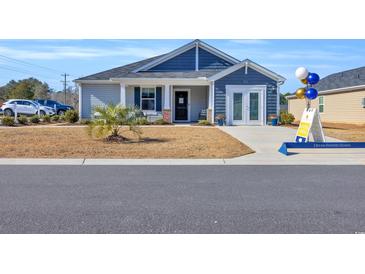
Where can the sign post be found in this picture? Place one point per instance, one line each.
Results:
(310, 123)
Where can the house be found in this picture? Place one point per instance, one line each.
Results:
(341, 98)
(186, 84)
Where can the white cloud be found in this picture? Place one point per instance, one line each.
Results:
(62, 52)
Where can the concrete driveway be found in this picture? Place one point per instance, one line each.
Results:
(266, 140)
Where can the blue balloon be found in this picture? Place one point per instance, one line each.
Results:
(313, 78)
(311, 93)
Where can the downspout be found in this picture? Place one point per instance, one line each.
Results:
(278, 97)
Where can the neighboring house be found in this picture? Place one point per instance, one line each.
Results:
(184, 85)
(341, 98)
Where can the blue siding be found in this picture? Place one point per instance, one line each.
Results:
(208, 60)
(239, 77)
(183, 62)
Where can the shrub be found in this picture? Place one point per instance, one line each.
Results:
(34, 119)
(23, 120)
(142, 121)
(46, 118)
(61, 118)
(71, 116)
(286, 117)
(110, 121)
(55, 118)
(85, 122)
(8, 121)
(204, 123)
(161, 122)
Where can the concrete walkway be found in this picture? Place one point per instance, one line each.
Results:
(266, 140)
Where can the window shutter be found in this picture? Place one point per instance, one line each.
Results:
(158, 99)
(137, 97)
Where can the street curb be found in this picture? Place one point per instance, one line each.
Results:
(240, 161)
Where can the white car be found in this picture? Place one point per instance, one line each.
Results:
(25, 107)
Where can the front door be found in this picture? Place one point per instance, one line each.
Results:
(181, 106)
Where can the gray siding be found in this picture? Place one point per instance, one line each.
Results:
(98, 95)
(239, 77)
(182, 62)
(208, 60)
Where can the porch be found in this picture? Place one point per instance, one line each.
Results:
(180, 103)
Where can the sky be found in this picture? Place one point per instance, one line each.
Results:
(48, 59)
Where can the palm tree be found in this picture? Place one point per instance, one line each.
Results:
(111, 119)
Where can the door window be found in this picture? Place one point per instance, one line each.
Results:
(254, 106)
(237, 106)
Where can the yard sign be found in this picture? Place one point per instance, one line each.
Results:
(310, 123)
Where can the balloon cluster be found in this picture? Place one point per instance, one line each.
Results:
(309, 79)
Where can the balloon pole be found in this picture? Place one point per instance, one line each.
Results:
(308, 101)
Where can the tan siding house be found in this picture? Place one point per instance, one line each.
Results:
(337, 103)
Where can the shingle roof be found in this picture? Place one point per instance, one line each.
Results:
(348, 78)
(118, 71)
(127, 72)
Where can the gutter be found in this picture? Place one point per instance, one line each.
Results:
(334, 91)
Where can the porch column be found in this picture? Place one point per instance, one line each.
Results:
(122, 95)
(210, 112)
(80, 101)
(167, 105)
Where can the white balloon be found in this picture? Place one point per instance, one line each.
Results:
(301, 73)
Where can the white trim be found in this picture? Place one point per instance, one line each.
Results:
(167, 95)
(211, 100)
(278, 100)
(332, 91)
(245, 90)
(189, 104)
(201, 81)
(123, 95)
(80, 101)
(141, 99)
(94, 81)
(178, 51)
(251, 64)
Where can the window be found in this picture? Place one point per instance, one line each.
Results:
(51, 103)
(321, 104)
(148, 98)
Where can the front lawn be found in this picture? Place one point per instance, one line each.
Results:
(157, 142)
(342, 131)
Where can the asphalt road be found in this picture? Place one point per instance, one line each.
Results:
(182, 199)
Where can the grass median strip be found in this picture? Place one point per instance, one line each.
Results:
(161, 142)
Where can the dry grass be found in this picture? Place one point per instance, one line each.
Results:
(345, 132)
(157, 142)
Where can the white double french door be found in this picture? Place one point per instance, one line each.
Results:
(246, 106)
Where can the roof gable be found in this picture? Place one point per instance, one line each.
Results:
(207, 61)
(248, 64)
(182, 62)
(188, 56)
